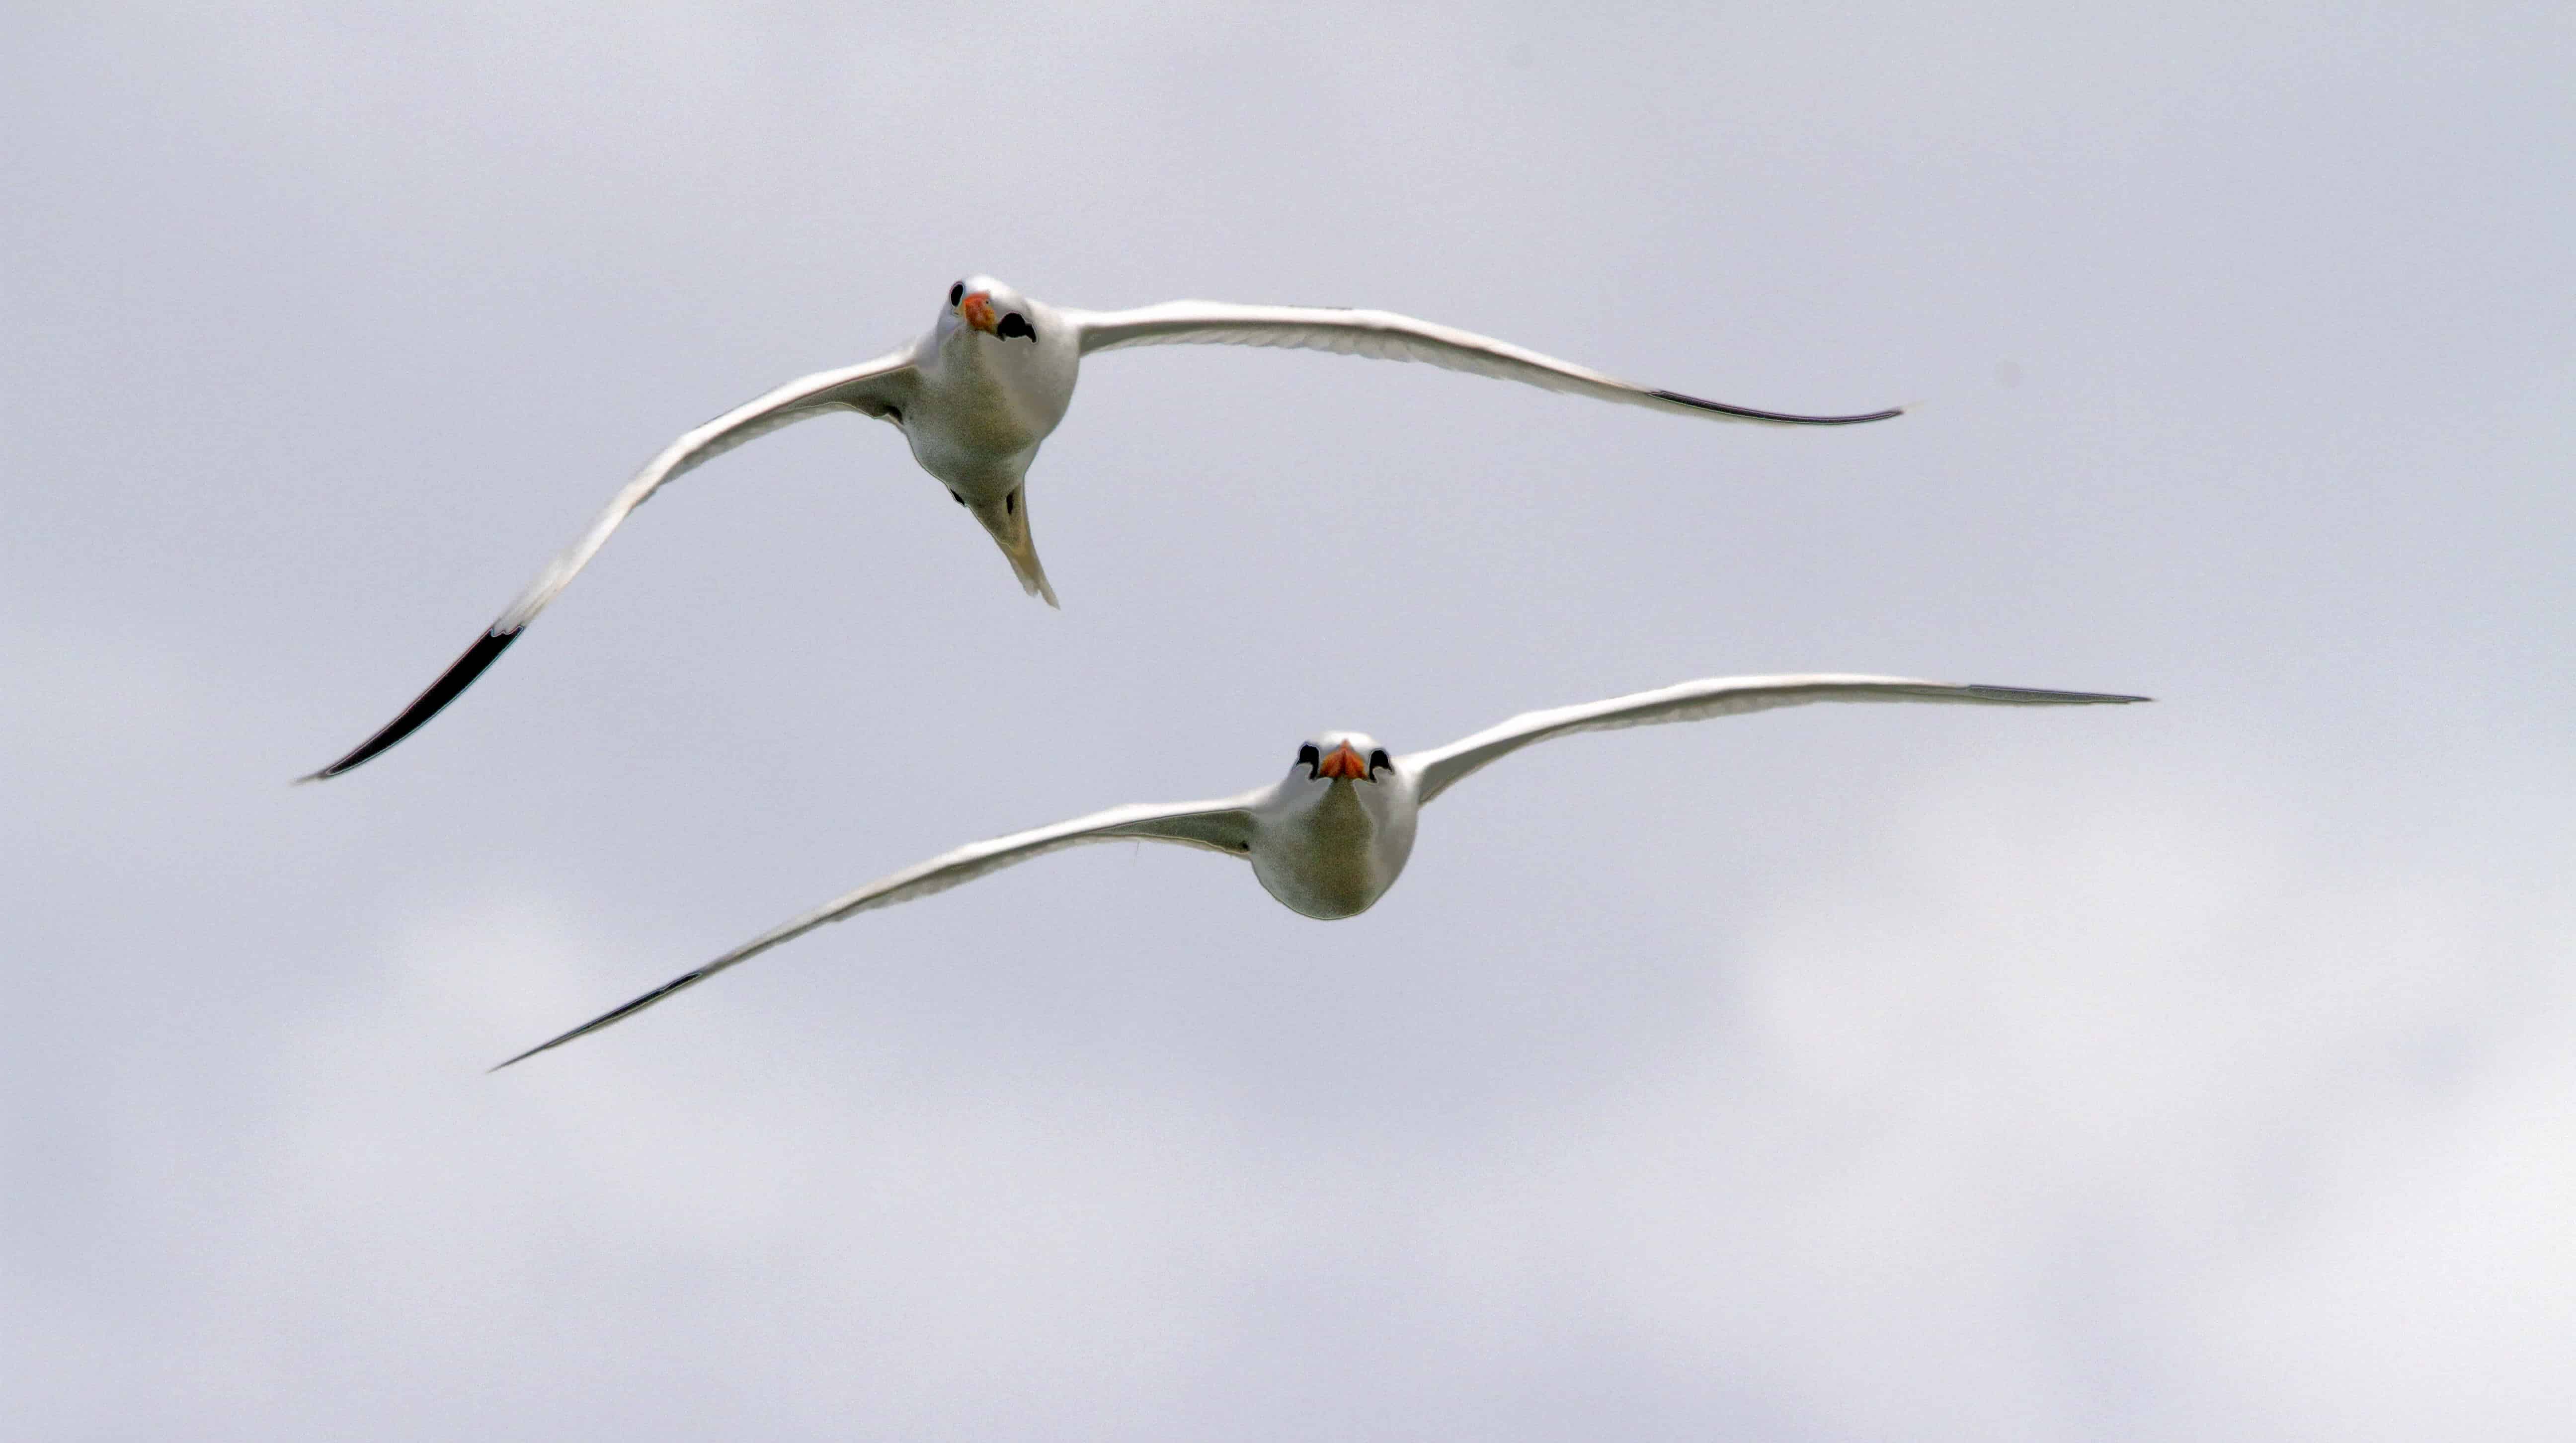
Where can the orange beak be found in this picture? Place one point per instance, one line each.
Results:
(1343, 762)
(978, 310)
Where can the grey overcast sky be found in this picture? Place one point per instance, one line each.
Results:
(2183, 1072)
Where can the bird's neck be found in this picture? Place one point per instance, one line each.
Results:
(1342, 815)
(960, 356)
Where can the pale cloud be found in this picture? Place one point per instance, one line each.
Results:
(1919, 1173)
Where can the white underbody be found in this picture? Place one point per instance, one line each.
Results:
(1330, 849)
(980, 406)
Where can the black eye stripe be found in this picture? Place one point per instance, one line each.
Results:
(1015, 324)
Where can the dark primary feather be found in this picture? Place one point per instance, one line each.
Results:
(873, 388)
(459, 675)
(1785, 417)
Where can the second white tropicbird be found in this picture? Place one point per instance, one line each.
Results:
(1329, 838)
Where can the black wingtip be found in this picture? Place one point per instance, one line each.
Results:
(612, 1016)
(1782, 417)
(548, 1045)
(459, 675)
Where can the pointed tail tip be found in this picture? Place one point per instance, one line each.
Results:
(1033, 579)
(1029, 573)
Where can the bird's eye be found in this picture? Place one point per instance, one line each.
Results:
(1015, 324)
(956, 293)
(1311, 758)
(1377, 761)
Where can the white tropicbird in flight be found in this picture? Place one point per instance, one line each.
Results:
(977, 394)
(1331, 837)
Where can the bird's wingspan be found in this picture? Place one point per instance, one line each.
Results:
(1221, 826)
(873, 388)
(1444, 767)
(1386, 336)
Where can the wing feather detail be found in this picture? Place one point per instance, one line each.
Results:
(1444, 767)
(1387, 336)
(1222, 826)
(872, 388)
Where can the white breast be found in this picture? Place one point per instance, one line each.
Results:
(983, 407)
(1336, 854)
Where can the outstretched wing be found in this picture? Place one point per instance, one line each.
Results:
(1387, 336)
(1224, 826)
(873, 388)
(1443, 767)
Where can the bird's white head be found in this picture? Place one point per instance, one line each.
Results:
(981, 304)
(1340, 759)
